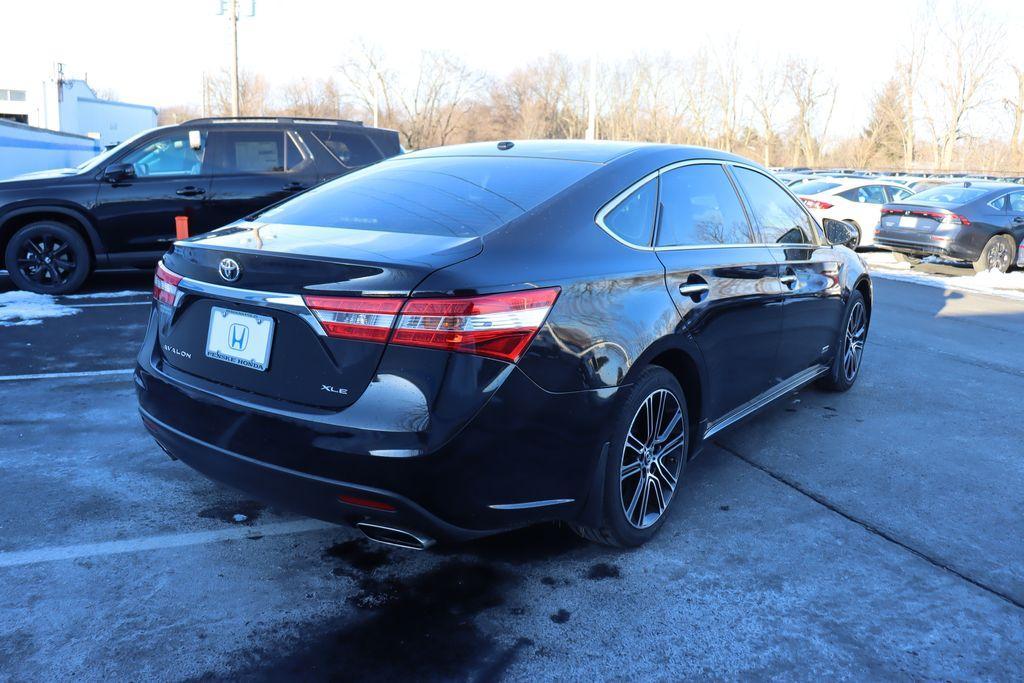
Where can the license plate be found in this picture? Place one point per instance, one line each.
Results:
(240, 338)
(908, 221)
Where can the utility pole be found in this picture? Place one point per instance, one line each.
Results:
(230, 7)
(234, 61)
(592, 100)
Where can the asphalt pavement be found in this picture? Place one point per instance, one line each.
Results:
(873, 534)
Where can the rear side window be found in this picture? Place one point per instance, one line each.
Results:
(813, 186)
(781, 219)
(463, 196)
(248, 151)
(869, 194)
(1017, 202)
(632, 219)
(951, 194)
(700, 207)
(350, 149)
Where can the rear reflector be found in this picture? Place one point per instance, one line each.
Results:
(357, 318)
(494, 325)
(367, 503)
(165, 285)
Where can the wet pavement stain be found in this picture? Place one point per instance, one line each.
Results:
(359, 554)
(522, 546)
(603, 570)
(561, 616)
(421, 628)
(227, 512)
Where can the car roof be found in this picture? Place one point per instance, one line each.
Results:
(596, 151)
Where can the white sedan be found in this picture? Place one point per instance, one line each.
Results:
(854, 200)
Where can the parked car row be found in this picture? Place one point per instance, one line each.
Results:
(123, 207)
(970, 219)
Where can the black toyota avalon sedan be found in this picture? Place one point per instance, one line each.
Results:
(975, 221)
(474, 338)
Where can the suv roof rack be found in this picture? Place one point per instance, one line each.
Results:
(272, 119)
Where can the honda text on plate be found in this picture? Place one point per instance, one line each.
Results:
(474, 338)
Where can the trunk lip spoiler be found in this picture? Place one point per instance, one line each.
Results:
(290, 303)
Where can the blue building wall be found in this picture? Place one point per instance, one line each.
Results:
(24, 149)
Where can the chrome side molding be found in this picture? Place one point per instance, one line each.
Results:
(532, 504)
(778, 391)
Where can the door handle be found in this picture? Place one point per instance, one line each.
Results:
(294, 187)
(789, 279)
(695, 287)
(191, 191)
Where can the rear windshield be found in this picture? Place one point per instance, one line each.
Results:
(813, 186)
(951, 194)
(462, 196)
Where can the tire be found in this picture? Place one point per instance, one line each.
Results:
(630, 523)
(47, 257)
(999, 254)
(852, 334)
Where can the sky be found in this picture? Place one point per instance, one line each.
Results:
(156, 52)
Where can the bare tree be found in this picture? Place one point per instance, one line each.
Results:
(254, 99)
(971, 39)
(812, 94)
(1015, 105)
(765, 97)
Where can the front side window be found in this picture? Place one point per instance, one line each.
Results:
(700, 207)
(869, 194)
(781, 218)
(899, 193)
(1017, 202)
(171, 155)
(632, 219)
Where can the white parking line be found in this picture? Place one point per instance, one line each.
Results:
(70, 552)
(64, 375)
(115, 303)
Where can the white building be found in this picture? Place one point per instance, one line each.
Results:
(71, 106)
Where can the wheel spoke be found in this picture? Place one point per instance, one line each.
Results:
(659, 495)
(665, 474)
(664, 434)
(667, 448)
(630, 470)
(633, 442)
(636, 499)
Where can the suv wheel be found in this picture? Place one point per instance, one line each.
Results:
(850, 346)
(645, 463)
(997, 255)
(47, 257)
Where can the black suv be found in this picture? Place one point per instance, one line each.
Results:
(125, 206)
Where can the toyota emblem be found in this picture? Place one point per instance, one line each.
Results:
(229, 269)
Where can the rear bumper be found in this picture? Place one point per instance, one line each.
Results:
(526, 455)
(945, 244)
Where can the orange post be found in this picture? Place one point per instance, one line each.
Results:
(181, 226)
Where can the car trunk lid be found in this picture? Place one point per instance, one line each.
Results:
(247, 285)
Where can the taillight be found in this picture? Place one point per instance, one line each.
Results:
(165, 285)
(495, 325)
(815, 204)
(956, 219)
(359, 318)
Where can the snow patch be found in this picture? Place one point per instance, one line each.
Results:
(1007, 285)
(108, 295)
(28, 308)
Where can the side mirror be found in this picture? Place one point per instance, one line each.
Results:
(116, 173)
(839, 233)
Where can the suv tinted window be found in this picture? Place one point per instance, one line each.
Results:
(700, 206)
(248, 151)
(869, 194)
(167, 156)
(350, 149)
(781, 219)
(632, 219)
(463, 196)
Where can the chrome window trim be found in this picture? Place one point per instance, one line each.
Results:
(621, 197)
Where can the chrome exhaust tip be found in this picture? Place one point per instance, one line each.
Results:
(399, 538)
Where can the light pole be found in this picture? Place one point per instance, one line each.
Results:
(230, 7)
